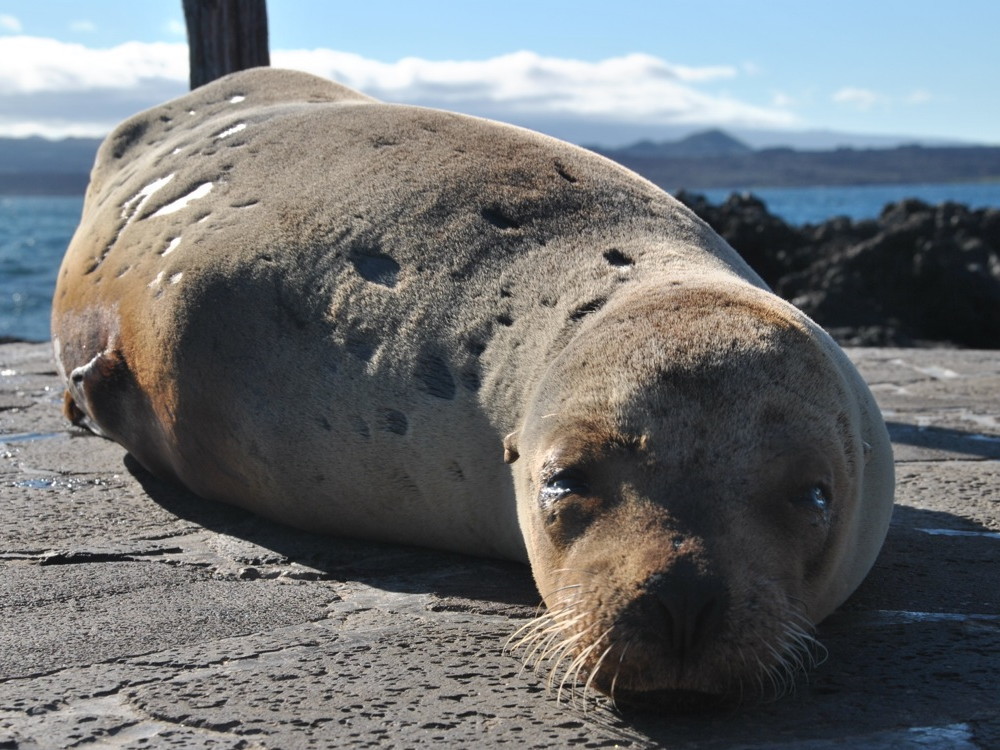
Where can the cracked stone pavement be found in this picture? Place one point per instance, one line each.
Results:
(133, 614)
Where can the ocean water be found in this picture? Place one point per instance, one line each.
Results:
(814, 205)
(34, 233)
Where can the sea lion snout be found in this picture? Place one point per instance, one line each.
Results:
(643, 608)
(688, 608)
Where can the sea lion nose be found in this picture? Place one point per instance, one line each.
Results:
(692, 609)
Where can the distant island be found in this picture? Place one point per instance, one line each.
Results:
(709, 159)
(39, 166)
(714, 159)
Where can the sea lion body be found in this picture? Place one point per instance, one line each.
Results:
(334, 312)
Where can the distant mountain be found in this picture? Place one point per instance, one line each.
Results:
(828, 140)
(38, 166)
(695, 146)
(707, 159)
(36, 154)
(693, 164)
(615, 134)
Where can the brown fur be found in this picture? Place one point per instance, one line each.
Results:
(329, 310)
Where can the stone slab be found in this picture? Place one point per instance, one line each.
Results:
(135, 615)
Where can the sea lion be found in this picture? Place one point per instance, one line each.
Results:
(340, 314)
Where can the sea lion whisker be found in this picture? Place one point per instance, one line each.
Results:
(779, 662)
(820, 658)
(562, 627)
(800, 620)
(542, 640)
(811, 652)
(541, 644)
(530, 625)
(576, 682)
(563, 588)
(573, 670)
(551, 645)
(545, 622)
(564, 650)
(804, 633)
(792, 653)
(564, 646)
(803, 646)
(566, 609)
(781, 673)
(552, 642)
(566, 643)
(764, 672)
(530, 631)
(534, 658)
(567, 601)
(577, 662)
(618, 669)
(596, 668)
(564, 654)
(537, 642)
(581, 662)
(555, 622)
(739, 679)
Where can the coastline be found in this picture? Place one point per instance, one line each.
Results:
(912, 274)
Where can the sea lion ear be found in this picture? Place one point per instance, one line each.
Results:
(510, 453)
(867, 450)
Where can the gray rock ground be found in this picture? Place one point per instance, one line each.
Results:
(133, 614)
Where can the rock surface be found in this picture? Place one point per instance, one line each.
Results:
(133, 614)
(918, 274)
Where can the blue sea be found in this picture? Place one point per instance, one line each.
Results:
(34, 233)
(813, 205)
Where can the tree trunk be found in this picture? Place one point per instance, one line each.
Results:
(225, 36)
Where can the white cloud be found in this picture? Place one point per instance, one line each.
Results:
(47, 65)
(175, 27)
(58, 88)
(782, 100)
(83, 26)
(73, 87)
(919, 96)
(634, 88)
(863, 99)
(52, 128)
(9, 23)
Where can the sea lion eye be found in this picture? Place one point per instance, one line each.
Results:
(563, 483)
(815, 498)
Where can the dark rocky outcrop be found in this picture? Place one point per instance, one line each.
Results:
(917, 275)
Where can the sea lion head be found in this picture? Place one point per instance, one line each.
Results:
(688, 477)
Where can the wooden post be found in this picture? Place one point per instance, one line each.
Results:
(225, 36)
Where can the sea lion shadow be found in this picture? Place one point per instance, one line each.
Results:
(944, 439)
(451, 577)
(932, 561)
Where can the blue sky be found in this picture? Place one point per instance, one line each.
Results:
(915, 69)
